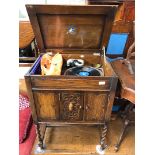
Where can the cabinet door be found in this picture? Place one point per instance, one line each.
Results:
(46, 105)
(71, 106)
(95, 106)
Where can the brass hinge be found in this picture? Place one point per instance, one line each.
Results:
(103, 51)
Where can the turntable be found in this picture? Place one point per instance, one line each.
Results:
(80, 95)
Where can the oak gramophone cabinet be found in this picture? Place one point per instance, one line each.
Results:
(77, 32)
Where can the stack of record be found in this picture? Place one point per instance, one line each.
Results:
(83, 71)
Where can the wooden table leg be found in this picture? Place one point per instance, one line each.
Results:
(122, 135)
(127, 114)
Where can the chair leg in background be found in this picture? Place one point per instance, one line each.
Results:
(122, 135)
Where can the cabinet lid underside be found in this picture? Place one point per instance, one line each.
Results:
(71, 27)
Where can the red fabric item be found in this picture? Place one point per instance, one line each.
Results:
(23, 102)
(25, 123)
(26, 147)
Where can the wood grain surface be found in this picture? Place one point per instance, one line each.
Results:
(92, 25)
(126, 79)
(26, 34)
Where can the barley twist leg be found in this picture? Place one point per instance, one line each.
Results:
(40, 144)
(103, 137)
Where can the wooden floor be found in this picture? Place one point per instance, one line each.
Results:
(82, 140)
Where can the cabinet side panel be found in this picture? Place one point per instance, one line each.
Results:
(31, 97)
(111, 98)
(46, 106)
(95, 106)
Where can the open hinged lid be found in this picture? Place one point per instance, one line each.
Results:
(71, 27)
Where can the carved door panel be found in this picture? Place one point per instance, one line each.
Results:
(95, 106)
(71, 106)
(46, 105)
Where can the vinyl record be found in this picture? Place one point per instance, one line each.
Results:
(83, 71)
